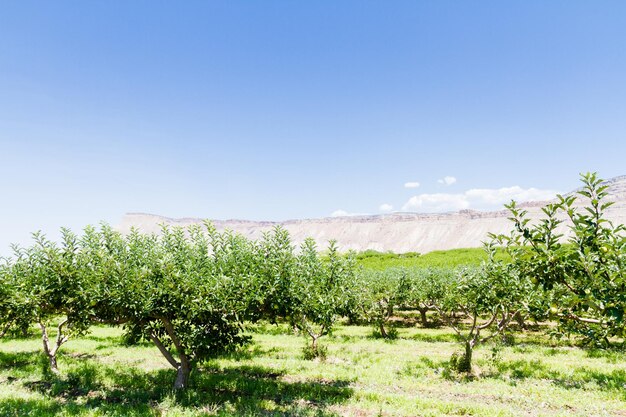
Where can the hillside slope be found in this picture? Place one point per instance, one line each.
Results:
(397, 232)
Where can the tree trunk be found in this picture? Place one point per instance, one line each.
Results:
(424, 318)
(467, 359)
(183, 368)
(383, 332)
(469, 347)
(390, 309)
(464, 362)
(53, 364)
(50, 353)
(182, 376)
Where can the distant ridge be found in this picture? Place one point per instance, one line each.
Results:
(397, 232)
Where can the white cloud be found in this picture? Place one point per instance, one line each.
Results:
(413, 184)
(447, 180)
(477, 198)
(433, 203)
(500, 196)
(385, 207)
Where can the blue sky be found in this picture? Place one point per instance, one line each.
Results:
(281, 109)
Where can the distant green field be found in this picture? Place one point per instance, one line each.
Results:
(436, 259)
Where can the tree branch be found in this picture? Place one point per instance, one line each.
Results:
(490, 321)
(580, 319)
(569, 287)
(109, 321)
(309, 330)
(6, 328)
(506, 319)
(44, 338)
(448, 320)
(60, 337)
(164, 351)
(322, 330)
(169, 328)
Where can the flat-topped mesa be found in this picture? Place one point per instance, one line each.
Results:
(397, 232)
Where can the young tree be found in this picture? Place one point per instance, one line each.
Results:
(317, 291)
(183, 294)
(381, 292)
(489, 297)
(583, 275)
(275, 263)
(50, 281)
(13, 313)
(426, 287)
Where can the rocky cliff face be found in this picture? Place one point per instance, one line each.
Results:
(397, 232)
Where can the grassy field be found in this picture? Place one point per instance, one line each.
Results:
(435, 259)
(361, 376)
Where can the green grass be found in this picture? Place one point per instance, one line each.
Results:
(436, 259)
(362, 376)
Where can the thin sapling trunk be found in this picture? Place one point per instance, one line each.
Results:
(385, 311)
(51, 349)
(472, 339)
(315, 336)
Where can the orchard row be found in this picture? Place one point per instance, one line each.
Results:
(191, 291)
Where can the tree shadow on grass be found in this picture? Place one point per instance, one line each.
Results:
(611, 355)
(422, 366)
(21, 364)
(236, 390)
(435, 338)
(614, 381)
(522, 369)
(112, 340)
(27, 407)
(580, 378)
(16, 360)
